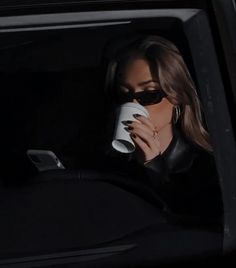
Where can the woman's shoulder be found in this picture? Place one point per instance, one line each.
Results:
(178, 157)
(195, 166)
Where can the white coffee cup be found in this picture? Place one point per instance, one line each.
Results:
(122, 141)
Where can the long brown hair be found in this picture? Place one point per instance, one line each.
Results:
(167, 64)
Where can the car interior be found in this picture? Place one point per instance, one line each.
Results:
(53, 98)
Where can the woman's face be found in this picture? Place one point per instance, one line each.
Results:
(137, 77)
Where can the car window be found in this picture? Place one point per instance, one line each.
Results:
(61, 95)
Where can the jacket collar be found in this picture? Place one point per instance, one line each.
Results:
(180, 153)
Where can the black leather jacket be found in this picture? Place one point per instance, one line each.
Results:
(184, 177)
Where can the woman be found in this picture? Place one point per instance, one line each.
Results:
(172, 145)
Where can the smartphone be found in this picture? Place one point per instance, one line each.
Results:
(44, 160)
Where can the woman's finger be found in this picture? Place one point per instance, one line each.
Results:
(149, 140)
(143, 148)
(146, 121)
(136, 125)
(143, 145)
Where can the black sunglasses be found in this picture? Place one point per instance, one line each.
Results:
(143, 97)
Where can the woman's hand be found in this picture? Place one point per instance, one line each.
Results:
(144, 135)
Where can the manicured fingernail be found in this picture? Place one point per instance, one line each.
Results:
(127, 129)
(127, 122)
(137, 115)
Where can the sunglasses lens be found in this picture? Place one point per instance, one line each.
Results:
(148, 98)
(143, 97)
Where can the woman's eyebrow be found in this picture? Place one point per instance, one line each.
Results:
(148, 82)
(124, 84)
